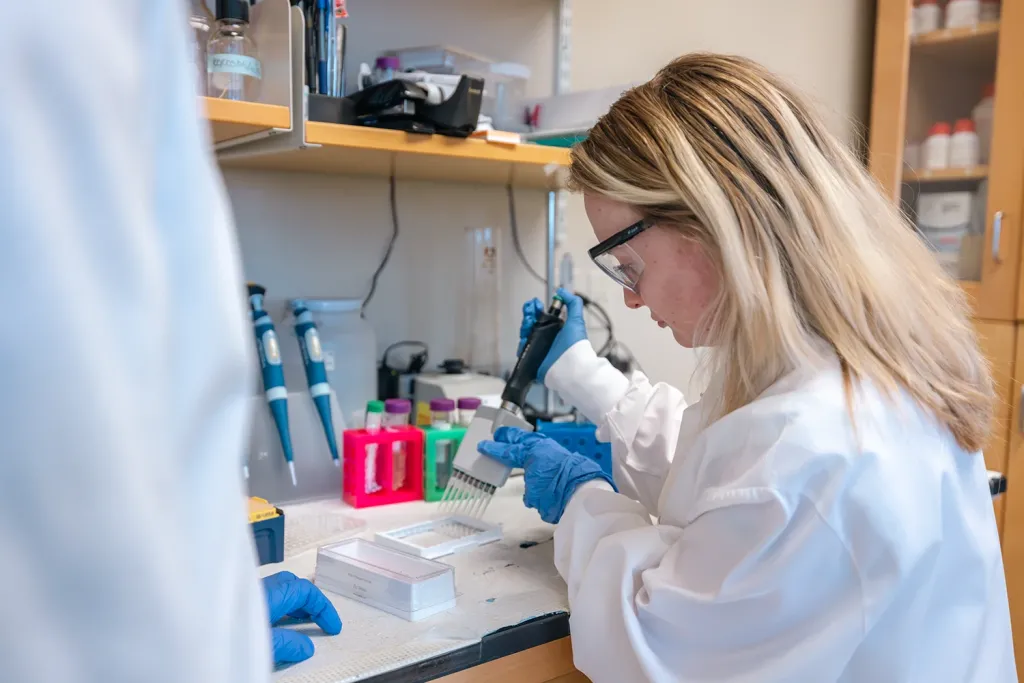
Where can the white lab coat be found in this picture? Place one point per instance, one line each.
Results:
(779, 554)
(125, 361)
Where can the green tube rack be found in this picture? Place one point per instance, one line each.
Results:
(435, 479)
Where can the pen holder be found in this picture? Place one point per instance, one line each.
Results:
(439, 448)
(395, 473)
(580, 438)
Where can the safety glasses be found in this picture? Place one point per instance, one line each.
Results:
(618, 260)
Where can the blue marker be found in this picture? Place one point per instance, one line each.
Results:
(316, 373)
(273, 374)
(324, 18)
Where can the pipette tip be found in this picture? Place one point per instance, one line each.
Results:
(245, 471)
(337, 463)
(291, 468)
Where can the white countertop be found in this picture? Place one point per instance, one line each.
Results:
(497, 585)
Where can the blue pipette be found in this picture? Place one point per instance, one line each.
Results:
(273, 374)
(316, 373)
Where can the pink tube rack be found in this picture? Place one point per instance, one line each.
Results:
(355, 442)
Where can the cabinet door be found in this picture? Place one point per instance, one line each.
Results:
(998, 342)
(1013, 512)
(942, 76)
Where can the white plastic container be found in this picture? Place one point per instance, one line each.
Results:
(927, 16)
(943, 218)
(989, 10)
(912, 155)
(349, 348)
(410, 587)
(935, 151)
(982, 116)
(963, 145)
(962, 13)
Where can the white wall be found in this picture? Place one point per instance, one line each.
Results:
(322, 236)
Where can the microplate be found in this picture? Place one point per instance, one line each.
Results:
(439, 537)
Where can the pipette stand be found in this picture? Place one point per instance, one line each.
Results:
(355, 442)
(318, 476)
(432, 489)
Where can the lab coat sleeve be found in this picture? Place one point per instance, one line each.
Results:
(640, 420)
(700, 602)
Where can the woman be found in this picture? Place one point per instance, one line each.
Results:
(823, 511)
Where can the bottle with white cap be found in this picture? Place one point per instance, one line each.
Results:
(963, 145)
(927, 16)
(935, 151)
(962, 13)
(982, 115)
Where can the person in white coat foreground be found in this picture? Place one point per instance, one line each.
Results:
(126, 368)
(822, 513)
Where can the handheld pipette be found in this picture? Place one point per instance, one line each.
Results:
(273, 374)
(475, 477)
(316, 373)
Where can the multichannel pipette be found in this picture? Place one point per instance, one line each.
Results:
(316, 373)
(475, 477)
(273, 374)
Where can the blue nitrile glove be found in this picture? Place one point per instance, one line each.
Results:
(552, 473)
(574, 330)
(288, 595)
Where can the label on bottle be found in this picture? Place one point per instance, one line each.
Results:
(234, 64)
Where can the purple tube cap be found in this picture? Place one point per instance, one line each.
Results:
(469, 403)
(397, 406)
(441, 404)
(388, 62)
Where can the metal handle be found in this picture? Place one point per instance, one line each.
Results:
(997, 232)
(1020, 412)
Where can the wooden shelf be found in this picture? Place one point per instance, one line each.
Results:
(357, 150)
(230, 119)
(984, 32)
(945, 175)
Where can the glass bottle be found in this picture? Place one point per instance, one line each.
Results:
(467, 410)
(201, 21)
(233, 65)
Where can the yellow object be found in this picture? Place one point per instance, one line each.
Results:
(423, 416)
(260, 510)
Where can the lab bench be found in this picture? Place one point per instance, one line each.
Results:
(510, 621)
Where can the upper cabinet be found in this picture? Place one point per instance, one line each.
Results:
(947, 137)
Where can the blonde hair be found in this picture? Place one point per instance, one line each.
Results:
(807, 245)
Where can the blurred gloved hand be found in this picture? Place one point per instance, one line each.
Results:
(288, 595)
(574, 330)
(551, 472)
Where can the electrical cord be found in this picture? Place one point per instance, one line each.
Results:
(387, 252)
(418, 360)
(514, 224)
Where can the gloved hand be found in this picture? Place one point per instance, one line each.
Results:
(551, 472)
(574, 330)
(288, 595)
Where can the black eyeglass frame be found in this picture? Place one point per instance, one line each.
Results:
(619, 238)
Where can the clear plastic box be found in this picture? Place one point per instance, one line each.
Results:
(410, 587)
(504, 82)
